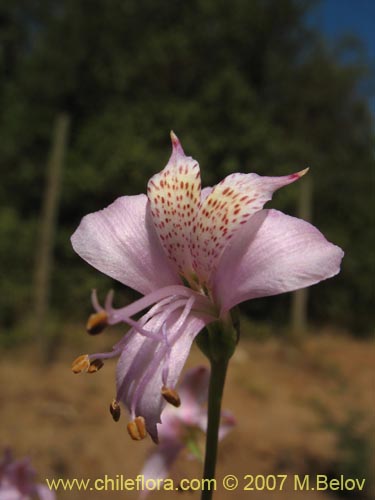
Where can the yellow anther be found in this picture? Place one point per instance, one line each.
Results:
(97, 322)
(81, 364)
(115, 410)
(171, 396)
(95, 366)
(137, 429)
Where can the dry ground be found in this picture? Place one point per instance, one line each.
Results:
(300, 411)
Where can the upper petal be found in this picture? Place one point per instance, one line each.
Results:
(121, 241)
(174, 196)
(223, 212)
(273, 253)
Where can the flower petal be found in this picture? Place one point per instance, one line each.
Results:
(174, 196)
(140, 367)
(273, 253)
(160, 461)
(121, 242)
(223, 212)
(44, 493)
(193, 392)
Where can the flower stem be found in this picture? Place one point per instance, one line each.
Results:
(217, 380)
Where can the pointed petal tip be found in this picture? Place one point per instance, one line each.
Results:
(176, 145)
(300, 174)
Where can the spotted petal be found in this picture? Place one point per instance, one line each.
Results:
(174, 196)
(225, 210)
(273, 253)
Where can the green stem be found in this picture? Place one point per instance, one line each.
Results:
(215, 393)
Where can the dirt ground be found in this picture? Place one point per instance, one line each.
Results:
(306, 410)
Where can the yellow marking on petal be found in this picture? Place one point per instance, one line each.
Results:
(137, 429)
(171, 396)
(174, 195)
(97, 322)
(230, 204)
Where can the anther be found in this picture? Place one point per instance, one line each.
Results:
(171, 396)
(95, 366)
(81, 364)
(137, 429)
(97, 322)
(115, 410)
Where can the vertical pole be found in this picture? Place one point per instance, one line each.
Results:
(44, 257)
(300, 297)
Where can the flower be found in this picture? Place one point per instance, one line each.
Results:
(17, 480)
(180, 425)
(194, 254)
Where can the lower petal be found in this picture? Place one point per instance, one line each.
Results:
(140, 367)
(273, 253)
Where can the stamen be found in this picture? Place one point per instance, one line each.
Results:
(84, 364)
(97, 322)
(95, 366)
(115, 410)
(81, 364)
(163, 353)
(171, 396)
(137, 429)
(95, 301)
(115, 316)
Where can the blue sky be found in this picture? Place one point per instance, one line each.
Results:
(337, 17)
(340, 17)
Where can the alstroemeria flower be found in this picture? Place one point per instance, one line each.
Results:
(180, 425)
(194, 254)
(17, 480)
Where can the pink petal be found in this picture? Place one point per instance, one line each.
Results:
(227, 423)
(193, 392)
(159, 463)
(223, 212)
(273, 253)
(44, 493)
(174, 196)
(140, 368)
(121, 241)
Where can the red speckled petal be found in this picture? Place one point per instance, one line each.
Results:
(174, 196)
(230, 205)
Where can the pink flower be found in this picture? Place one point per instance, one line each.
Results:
(180, 425)
(194, 254)
(17, 480)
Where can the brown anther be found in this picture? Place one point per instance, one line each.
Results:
(81, 364)
(115, 410)
(95, 366)
(137, 429)
(171, 396)
(97, 322)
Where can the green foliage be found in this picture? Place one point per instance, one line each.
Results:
(245, 85)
